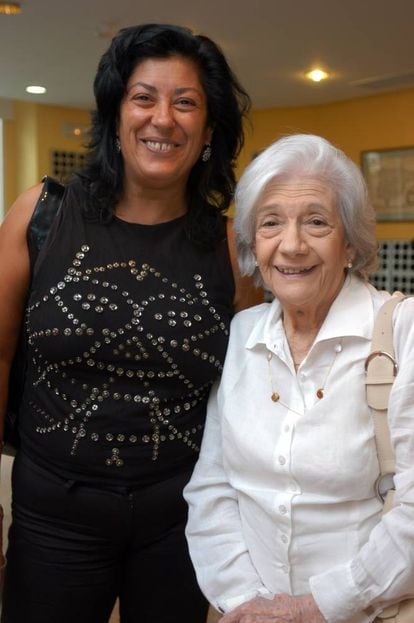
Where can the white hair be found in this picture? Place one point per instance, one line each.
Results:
(309, 156)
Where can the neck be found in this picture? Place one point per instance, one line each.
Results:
(300, 341)
(303, 319)
(308, 318)
(301, 326)
(150, 206)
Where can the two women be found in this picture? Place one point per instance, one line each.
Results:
(284, 523)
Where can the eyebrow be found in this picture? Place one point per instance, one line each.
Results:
(269, 207)
(152, 89)
(309, 206)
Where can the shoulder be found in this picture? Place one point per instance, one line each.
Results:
(251, 315)
(404, 313)
(378, 297)
(361, 296)
(24, 205)
(402, 327)
(246, 330)
(14, 253)
(403, 333)
(18, 216)
(246, 320)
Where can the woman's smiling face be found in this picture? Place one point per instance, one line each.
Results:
(300, 242)
(163, 122)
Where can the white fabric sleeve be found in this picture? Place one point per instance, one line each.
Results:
(223, 566)
(383, 570)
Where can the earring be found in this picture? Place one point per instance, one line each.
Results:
(118, 145)
(206, 153)
(256, 263)
(349, 265)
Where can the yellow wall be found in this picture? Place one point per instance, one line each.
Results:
(26, 145)
(51, 120)
(10, 160)
(30, 136)
(380, 121)
(375, 122)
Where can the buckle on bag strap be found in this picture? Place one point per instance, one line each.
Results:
(382, 353)
(383, 484)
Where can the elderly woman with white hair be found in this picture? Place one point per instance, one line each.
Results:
(284, 524)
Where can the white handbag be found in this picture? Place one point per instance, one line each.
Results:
(381, 369)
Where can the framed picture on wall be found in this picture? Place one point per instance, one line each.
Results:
(389, 174)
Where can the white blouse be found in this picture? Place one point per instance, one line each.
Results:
(282, 498)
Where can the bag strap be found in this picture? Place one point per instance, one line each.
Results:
(381, 369)
(46, 209)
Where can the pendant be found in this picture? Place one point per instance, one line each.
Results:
(320, 393)
(275, 396)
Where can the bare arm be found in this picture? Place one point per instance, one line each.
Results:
(247, 294)
(14, 282)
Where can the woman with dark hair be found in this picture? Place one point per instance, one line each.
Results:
(127, 327)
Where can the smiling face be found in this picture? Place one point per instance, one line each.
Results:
(300, 244)
(162, 123)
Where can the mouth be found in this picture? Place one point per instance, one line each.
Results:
(286, 270)
(159, 147)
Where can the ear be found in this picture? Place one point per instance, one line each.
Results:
(209, 135)
(349, 254)
(350, 251)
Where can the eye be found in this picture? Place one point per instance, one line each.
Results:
(142, 98)
(269, 221)
(317, 221)
(185, 102)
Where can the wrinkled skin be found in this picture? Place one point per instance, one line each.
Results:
(281, 608)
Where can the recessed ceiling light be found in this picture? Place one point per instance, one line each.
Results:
(10, 8)
(317, 75)
(37, 90)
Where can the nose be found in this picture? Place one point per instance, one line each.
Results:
(292, 241)
(162, 116)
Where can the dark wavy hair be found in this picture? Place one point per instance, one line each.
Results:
(211, 184)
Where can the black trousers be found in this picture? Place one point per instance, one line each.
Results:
(73, 549)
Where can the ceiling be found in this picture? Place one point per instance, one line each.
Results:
(368, 45)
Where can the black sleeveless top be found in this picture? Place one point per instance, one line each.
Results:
(127, 328)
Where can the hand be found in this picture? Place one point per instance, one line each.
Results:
(281, 609)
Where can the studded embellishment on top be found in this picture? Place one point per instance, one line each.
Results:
(122, 348)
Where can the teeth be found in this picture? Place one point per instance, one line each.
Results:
(156, 146)
(292, 271)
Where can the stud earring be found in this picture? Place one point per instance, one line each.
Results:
(118, 145)
(206, 153)
(349, 265)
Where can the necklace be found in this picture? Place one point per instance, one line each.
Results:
(320, 392)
